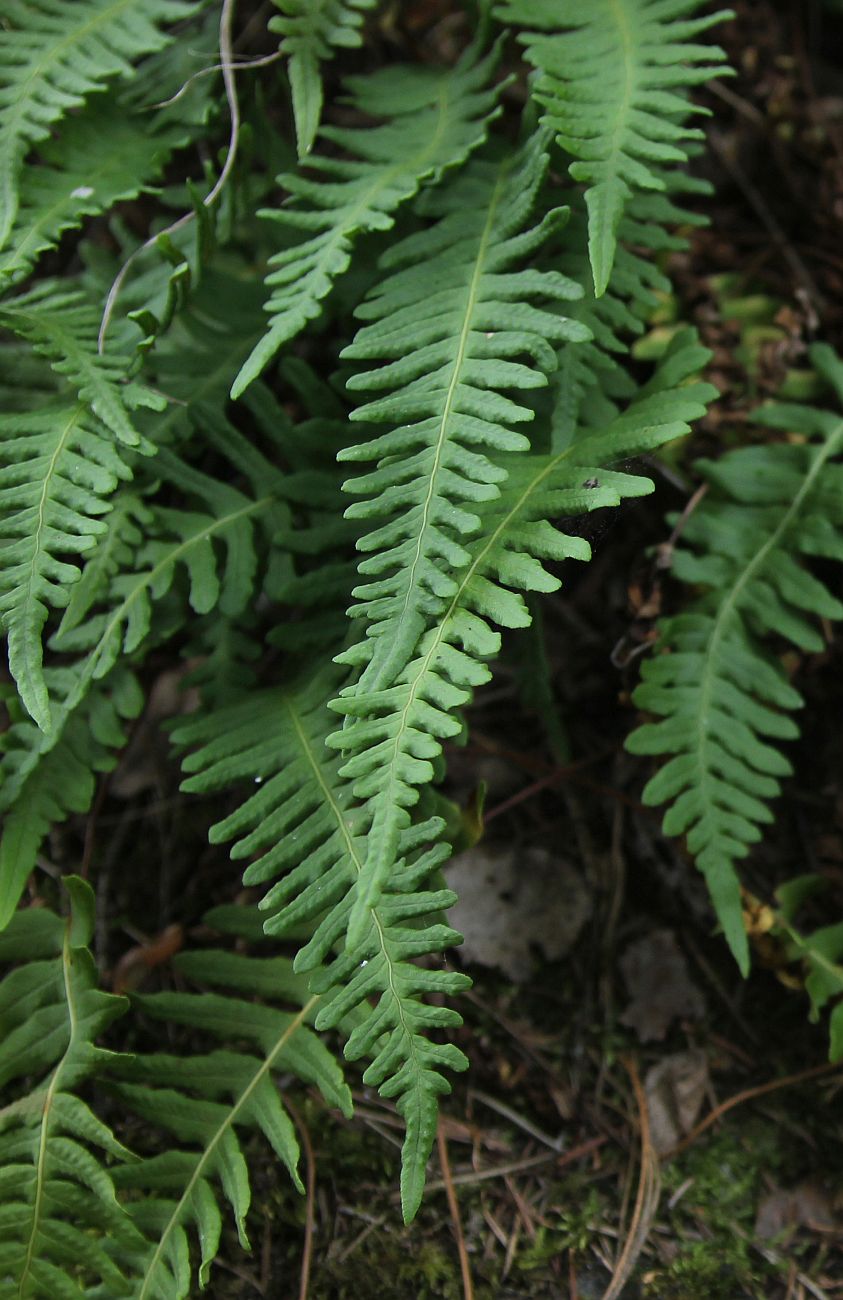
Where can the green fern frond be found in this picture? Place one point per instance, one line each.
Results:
(42, 783)
(299, 825)
(311, 32)
(614, 76)
(218, 550)
(99, 159)
(445, 377)
(723, 697)
(58, 469)
(63, 1231)
(62, 325)
(434, 120)
(392, 736)
(202, 1100)
(53, 55)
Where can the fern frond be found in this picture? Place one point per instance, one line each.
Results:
(44, 782)
(311, 32)
(434, 120)
(58, 469)
(299, 825)
(614, 76)
(53, 55)
(393, 735)
(99, 159)
(723, 697)
(61, 324)
(217, 548)
(445, 375)
(63, 1230)
(202, 1100)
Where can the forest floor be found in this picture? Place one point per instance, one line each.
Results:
(638, 1121)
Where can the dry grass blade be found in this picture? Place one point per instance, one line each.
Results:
(647, 1197)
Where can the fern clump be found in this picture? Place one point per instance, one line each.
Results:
(312, 361)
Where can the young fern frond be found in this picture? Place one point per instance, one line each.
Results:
(203, 1100)
(312, 32)
(53, 55)
(434, 120)
(299, 825)
(393, 735)
(613, 81)
(723, 698)
(63, 1231)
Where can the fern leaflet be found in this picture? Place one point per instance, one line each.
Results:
(393, 735)
(58, 469)
(203, 1099)
(299, 824)
(448, 402)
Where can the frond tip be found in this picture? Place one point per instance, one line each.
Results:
(613, 77)
(311, 32)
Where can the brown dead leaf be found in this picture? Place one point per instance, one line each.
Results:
(675, 1090)
(659, 986)
(783, 1212)
(509, 901)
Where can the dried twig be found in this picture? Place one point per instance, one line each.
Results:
(454, 1208)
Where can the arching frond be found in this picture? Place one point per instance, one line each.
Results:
(218, 549)
(724, 699)
(452, 419)
(434, 120)
(614, 76)
(58, 469)
(442, 385)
